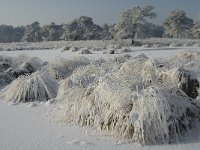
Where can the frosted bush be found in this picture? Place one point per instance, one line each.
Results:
(125, 50)
(35, 87)
(175, 45)
(85, 51)
(133, 98)
(188, 55)
(97, 49)
(74, 49)
(115, 46)
(22, 60)
(11, 68)
(188, 44)
(189, 61)
(147, 45)
(161, 115)
(5, 79)
(65, 48)
(62, 68)
(110, 51)
(157, 45)
(5, 63)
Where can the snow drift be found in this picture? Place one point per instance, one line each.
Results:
(35, 87)
(137, 99)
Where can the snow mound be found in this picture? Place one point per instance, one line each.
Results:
(136, 99)
(35, 87)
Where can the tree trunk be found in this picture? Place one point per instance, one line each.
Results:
(132, 41)
(133, 37)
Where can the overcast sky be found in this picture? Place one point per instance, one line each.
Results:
(23, 12)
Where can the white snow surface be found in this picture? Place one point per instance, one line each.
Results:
(28, 125)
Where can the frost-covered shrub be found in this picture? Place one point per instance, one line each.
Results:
(175, 45)
(156, 45)
(133, 98)
(21, 65)
(11, 68)
(188, 44)
(23, 61)
(188, 56)
(74, 49)
(62, 68)
(5, 79)
(15, 73)
(65, 48)
(111, 51)
(161, 115)
(5, 63)
(97, 49)
(85, 51)
(35, 87)
(125, 50)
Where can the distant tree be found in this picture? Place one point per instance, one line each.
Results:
(6, 33)
(177, 24)
(10, 33)
(32, 33)
(195, 31)
(132, 19)
(19, 33)
(51, 32)
(148, 30)
(107, 33)
(82, 28)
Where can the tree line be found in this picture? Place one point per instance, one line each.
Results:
(133, 23)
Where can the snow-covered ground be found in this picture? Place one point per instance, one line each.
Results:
(29, 125)
(52, 55)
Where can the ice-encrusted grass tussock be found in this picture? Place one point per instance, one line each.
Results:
(162, 115)
(21, 60)
(62, 68)
(125, 50)
(139, 102)
(35, 87)
(85, 51)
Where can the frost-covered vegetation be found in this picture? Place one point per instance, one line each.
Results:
(27, 88)
(97, 45)
(11, 68)
(137, 99)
